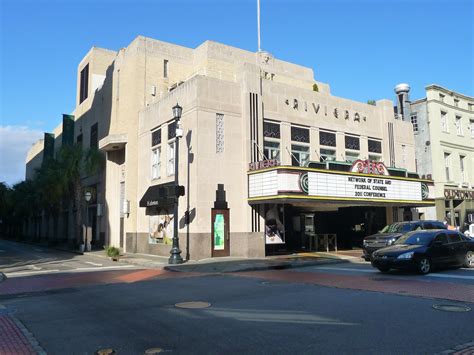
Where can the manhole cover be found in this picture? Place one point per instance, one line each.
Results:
(192, 305)
(451, 308)
(153, 351)
(105, 352)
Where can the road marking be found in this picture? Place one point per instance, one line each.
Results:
(26, 273)
(447, 276)
(91, 263)
(33, 267)
(102, 268)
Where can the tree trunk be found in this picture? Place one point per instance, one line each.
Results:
(78, 233)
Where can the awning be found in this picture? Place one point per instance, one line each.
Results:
(162, 195)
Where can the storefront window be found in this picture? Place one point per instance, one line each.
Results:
(327, 155)
(271, 149)
(299, 155)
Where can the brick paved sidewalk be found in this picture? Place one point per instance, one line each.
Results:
(15, 339)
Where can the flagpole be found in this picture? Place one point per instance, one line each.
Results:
(258, 24)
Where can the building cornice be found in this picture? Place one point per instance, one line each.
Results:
(466, 148)
(449, 92)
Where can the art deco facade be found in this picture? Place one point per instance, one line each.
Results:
(268, 158)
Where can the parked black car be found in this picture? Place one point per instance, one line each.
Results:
(423, 250)
(391, 232)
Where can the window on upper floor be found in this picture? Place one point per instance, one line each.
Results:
(444, 122)
(94, 141)
(271, 140)
(447, 166)
(375, 146)
(327, 138)
(220, 133)
(271, 149)
(79, 140)
(470, 107)
(441, 97)
(456, 102)
(471, 127)
(165, 68)
(299, 134)
(299, 155)
(458, 123)
(327, 155)
(351, 156)
(84, 84)
(352, 142)
(171, 158)
(156, 163)
(414, 122)
(462, 165)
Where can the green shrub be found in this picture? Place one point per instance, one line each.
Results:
(315, 87)
(371, 102)
(112, 251)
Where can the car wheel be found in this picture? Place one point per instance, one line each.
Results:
(383, 269)
(469, 260)
(424, 266)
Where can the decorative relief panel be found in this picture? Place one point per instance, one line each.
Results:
(219, 133)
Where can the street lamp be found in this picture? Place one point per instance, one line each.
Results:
(175, 252)
(87, 197)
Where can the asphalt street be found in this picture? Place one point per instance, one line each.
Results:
(267, 312)
(20, 260)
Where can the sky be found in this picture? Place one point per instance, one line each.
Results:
(362, 48)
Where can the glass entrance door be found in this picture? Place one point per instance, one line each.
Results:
(220, 232)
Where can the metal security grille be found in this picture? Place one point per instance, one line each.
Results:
(352, 143)
(299, 134)
(271, 130)
(375, 146)
(326, 138)
(156, 137)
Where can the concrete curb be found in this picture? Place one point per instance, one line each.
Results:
(3, 277)
(224, 267)
(29, 336)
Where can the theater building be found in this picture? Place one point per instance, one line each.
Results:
(271, 162)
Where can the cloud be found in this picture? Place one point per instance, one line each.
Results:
(15, 141)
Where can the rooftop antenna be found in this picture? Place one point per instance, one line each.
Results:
(258, 24)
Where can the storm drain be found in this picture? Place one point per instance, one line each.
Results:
(193, 305)
(451, 308)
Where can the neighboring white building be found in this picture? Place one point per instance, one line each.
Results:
(443, 125)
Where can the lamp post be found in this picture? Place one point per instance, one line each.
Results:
(87, 197)
(175, 252)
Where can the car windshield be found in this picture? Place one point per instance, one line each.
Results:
(415, 239)
(397, 228)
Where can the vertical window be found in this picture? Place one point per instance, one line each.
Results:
(271, 140)
(165, 68)
(219, 133)
(79, 140)
(456, 102)
(441, 97)
(471, 124)
(447, 166)
(94, 142)
(444, 122)
(84, 84)
(462, 165)
(156, 163)
(171, 147)
(414, 122)
(470, 107)
(375, 150)
(352, 143)
(351, 157)
(459, 125)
